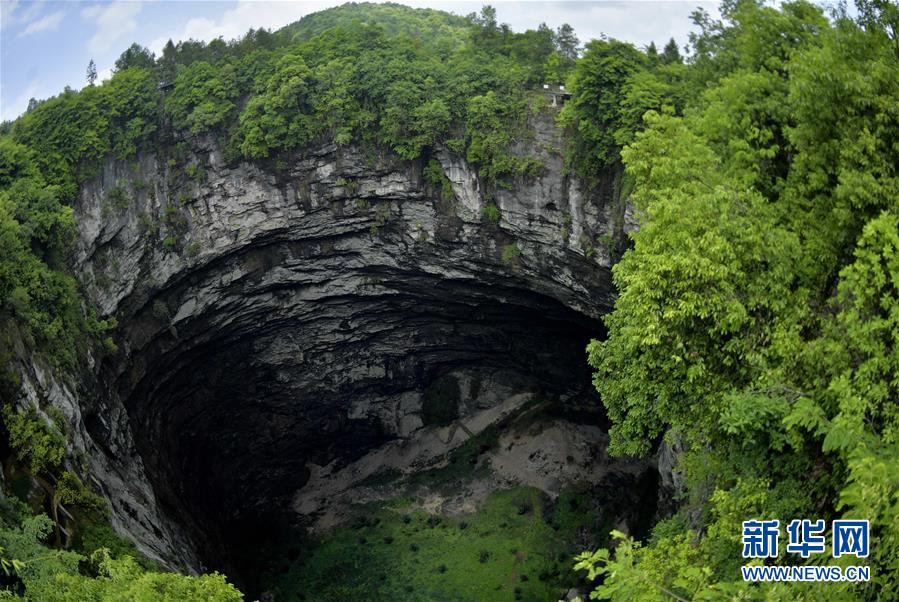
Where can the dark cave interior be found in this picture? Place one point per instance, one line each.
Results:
(229, 406)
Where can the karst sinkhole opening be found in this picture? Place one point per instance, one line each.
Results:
(230, 408)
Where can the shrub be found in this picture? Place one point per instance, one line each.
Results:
(491, 212)
(511, 253)
(434, 176)
(41, 446)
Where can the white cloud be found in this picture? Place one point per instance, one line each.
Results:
(158, 44)
(11, 15)
(17, 107)
(7, 10)
(104, 74)
(113, 21)
(49, 23)
(247, 14)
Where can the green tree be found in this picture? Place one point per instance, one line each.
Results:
(278, 118)
(91, 73)
(55, 575)
(756, 323)
(566, 42)
(594, 112)
(35, 442)
(203, 97)
(486, 33)
(135, 56)
(671, 53)
(652, 54)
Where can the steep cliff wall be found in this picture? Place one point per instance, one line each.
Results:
(273, 318)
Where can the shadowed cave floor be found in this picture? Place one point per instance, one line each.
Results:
(479, 523)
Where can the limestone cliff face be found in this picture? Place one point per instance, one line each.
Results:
(274, 318)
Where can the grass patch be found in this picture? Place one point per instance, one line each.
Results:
(93, 533)
(517, 546)
(491, 212)
(511, 253)
(463, 463)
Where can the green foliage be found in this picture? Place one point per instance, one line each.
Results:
(423, 23)
(36, 228)
(71, 491)
(381, 217)
(94, 535)
(757, 321)
(193, 248)
(34, 442)
(49, 150)
(595, 111)
(176, 225)
(683, 302)
(679, 564)
(511, 253)
(856, 416)
(124, 579)
(491, 212)
(196, 173)
(203, 97)
(34, 571)
(53, 575)
(279, 117)
(117, 197)
(613, 85)
(489, 137)
(360, 81)
(136, 56)
(117, 117)
(434, 176)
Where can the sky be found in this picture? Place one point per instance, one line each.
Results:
(46, 45)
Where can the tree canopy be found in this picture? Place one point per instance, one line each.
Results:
(756, 324)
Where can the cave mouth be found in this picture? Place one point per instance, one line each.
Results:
(233, 404)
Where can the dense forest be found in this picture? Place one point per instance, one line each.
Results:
(757, 328)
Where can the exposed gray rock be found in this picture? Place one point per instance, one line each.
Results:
(276, 318)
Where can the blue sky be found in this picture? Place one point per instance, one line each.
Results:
(46, 45)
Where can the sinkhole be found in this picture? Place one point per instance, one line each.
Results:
(250, 369)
